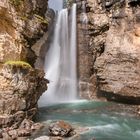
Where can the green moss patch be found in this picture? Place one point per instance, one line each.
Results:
(16, 2)
(18, 64)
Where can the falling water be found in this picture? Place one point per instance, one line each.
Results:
(60, 63)
(83, 17)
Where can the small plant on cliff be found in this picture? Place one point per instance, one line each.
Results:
(18, 64)
(41, 19)
(16, 2)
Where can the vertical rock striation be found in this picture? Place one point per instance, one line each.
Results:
(113, 36)
(22, 24)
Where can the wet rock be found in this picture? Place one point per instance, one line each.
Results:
(60, 128)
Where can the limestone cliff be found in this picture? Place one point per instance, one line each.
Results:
(110, 63)
(22, 24)
(20, 88)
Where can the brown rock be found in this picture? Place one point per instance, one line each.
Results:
(26, 124)
(5, 136)
(23, 132)
(13, 134)
(112, 54)
(21, 84)
(60, 128)
(137, 31)
(36, 126)
(118, 68)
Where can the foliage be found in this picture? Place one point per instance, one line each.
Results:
(41, 19)
(16, 2)
(68, 3)
(18, 63)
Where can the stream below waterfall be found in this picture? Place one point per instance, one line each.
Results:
(91, 120)
(99, 120)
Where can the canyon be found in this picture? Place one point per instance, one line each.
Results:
(108, 54)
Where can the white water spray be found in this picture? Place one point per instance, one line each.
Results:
(60, 63)
(83, 17)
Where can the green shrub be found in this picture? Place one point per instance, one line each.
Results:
(18, 64)
(16, 2)
(41, 19)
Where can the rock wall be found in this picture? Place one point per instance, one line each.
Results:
(22, 24)
(20, 90)
(112, 69)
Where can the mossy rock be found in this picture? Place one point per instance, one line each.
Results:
(22, 64)
(16, 2)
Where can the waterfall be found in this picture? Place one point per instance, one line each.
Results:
(83, 17)
(60, 62)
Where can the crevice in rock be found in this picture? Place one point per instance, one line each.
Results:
(110, 96)
(134, 3)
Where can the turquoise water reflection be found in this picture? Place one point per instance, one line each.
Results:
(105, 121)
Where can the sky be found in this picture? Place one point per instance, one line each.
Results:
(56, 4)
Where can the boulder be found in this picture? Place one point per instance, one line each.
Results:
(60, 128)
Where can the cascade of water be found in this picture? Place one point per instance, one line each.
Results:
(60, 63)
(84, 18)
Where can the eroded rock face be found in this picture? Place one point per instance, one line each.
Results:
(22, 24)
(113, 36)
(10, 48)
(20, 90)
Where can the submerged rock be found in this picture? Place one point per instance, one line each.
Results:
(61, 128)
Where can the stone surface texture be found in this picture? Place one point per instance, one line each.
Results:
(22, 24)
(20, 90)
(61, 128)
(109, 47)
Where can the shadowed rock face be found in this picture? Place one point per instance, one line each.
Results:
(20, 90)
(114, 41)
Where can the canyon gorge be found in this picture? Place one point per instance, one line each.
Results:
(103, 66)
